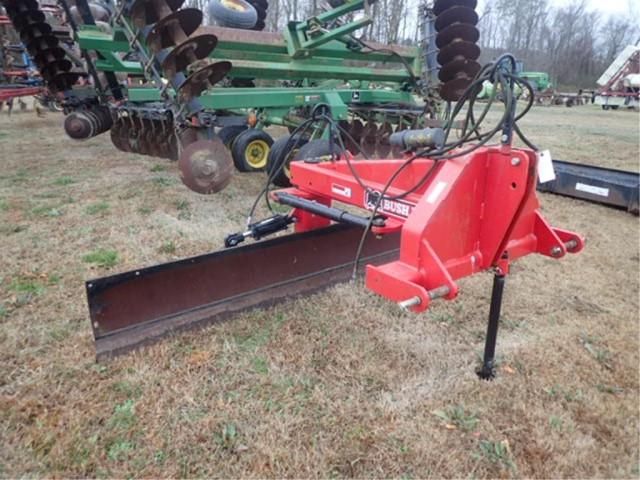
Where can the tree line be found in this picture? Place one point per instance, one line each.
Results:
(573, 43)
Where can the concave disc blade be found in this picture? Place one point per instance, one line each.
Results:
(458, 31)
(203, 79)
(456, 15)
(206, 166)
(195, 48)
(160, 36)
(458, 50)
(442, 5)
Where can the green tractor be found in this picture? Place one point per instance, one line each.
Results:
(539, 81)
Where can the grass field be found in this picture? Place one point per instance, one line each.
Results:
(338, 384)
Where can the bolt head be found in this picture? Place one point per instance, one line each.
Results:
(515, 161)
(556, 251)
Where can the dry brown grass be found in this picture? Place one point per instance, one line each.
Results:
(338, 384)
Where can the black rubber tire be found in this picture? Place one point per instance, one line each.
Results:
(228, 17)
(336, 3)
(262, 14)
(229, 134)
(259, 26)
(278, 154)
(248, 142)
(263, 4)
(316, 149)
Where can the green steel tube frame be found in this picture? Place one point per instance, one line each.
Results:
(306, 52)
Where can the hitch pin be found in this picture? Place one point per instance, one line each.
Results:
(571, 244)
(416, 300)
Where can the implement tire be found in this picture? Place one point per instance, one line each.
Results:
(233, 13)
(283, 152)
(250, 150)
(228, 134)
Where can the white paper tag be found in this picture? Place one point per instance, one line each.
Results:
(546, 173)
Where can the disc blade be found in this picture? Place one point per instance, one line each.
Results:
(206, 166)
(34, 31)
(383, 147)
(458, 51)
(457, 32)
(195, 48)
(458, 68)
(442, 5)
(161, 35)
(42, 43)
(145, 12)
(456, 15)
(453, 90)
(203, 79)
(63, 81)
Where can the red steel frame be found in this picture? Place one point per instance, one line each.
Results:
(475, 212)
(8, 93)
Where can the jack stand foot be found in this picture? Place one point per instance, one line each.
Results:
(487, 371)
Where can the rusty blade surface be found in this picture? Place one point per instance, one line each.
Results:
(139, 307)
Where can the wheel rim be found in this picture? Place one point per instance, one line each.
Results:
(257, 153)
(233, 5)
(287, 162)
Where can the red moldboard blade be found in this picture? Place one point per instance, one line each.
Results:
(135, 308)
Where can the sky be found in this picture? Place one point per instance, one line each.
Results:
(605, 6)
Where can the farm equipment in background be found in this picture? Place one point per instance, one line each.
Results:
(607, 186)
(620, 82)
(19, 73)
(546, 94)
(156, 102)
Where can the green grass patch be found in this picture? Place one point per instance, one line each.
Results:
(158, 168)
(96, 208)
(260, 365)
(21, 285)
(167, 247)
(102, 258)
(145, 210)
(497, 453)
(62, 181)
(120, 450)
(4, 205)
(10, 228)
(182, 205)
(47, 211)
(593, 345)
(161, 181)
(227, 437)
(21, 176)
(459, 417)
(124, 416)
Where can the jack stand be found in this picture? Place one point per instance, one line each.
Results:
(487, 371)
